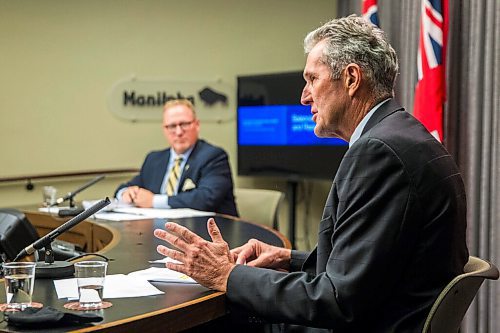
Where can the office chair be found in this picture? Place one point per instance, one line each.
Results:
(449, 309)
(259, 205)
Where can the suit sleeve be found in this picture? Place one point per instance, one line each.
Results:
(138, 180)
(365, 239)
(297, 260)
(213, 185)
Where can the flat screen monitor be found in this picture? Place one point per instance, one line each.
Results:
(275, 132)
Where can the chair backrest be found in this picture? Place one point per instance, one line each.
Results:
(259, 205)
(450, 307)
(16, 232)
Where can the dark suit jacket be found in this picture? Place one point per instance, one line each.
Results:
(392, 236)
(207, 168)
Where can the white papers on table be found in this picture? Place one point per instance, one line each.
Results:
(115, 286)
(114, 204)
(111, 216)
(51, 210)
(162, 275)
(109, 213)
(164, 213)
(117, 211)
(164, 260)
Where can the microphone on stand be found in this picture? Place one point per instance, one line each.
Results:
(51, 268)
(73, 210)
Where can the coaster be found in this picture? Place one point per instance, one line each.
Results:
(76, 306)
(3, 307)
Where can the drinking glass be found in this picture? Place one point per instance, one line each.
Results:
(90, 279)
(19, 278)
(49, 195)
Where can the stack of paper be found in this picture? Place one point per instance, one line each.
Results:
(115, 286)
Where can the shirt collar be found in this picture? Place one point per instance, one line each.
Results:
(359, 129)
(185, 155)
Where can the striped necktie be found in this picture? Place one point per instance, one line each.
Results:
(173, 178)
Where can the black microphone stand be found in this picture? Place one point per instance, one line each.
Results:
(57, 269)
(50, 268)
(73, 209)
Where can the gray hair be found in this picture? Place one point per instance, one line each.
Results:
(354, 40)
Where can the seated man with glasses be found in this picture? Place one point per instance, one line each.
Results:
(190, 174)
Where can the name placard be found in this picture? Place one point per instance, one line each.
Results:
(137, 99)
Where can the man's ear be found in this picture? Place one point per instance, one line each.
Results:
(352, 78)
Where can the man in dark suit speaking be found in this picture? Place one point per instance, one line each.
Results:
(393, 228)
(190, 174)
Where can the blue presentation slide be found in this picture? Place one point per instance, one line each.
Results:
(279, 125)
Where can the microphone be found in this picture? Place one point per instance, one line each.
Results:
(71, 195)
(58, 268)
(74, 211)
(48, 238)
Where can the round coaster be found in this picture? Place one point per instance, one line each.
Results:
(3, 306)
(76, 306)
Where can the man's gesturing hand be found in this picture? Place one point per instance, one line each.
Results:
(208, 263)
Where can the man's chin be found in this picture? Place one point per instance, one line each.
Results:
(180, 149)
(318, 132)
(322, 132)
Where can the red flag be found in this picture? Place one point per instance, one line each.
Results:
(369, 10)
(430, 92)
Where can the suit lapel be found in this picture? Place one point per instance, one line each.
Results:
(160, 170)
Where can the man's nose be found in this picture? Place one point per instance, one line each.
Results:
(178, 130)
(305, 98)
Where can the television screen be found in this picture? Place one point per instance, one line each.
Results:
(276, 133)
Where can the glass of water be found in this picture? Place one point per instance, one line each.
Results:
(49, 195)
(90, 278)
(19, 278)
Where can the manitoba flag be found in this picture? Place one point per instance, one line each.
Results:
(430, 92)
(369, 11)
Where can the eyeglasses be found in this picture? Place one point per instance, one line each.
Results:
(183, 125)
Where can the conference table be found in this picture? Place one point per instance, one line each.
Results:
(129, 246)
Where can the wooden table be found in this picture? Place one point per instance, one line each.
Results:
(130, 245)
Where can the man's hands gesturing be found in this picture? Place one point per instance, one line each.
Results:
(208, 263)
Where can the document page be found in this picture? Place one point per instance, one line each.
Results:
(162, 274)
(115, 286)
(164, 213)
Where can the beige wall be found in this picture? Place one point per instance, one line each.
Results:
(59, 60)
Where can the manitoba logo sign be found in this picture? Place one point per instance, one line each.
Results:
(136, 99)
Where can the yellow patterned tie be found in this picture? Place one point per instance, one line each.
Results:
(173, 178)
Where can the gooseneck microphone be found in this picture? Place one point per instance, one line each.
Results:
(71, 195)
(48, 238)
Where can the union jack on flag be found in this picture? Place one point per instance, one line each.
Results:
(369, 11)
(430, 92)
